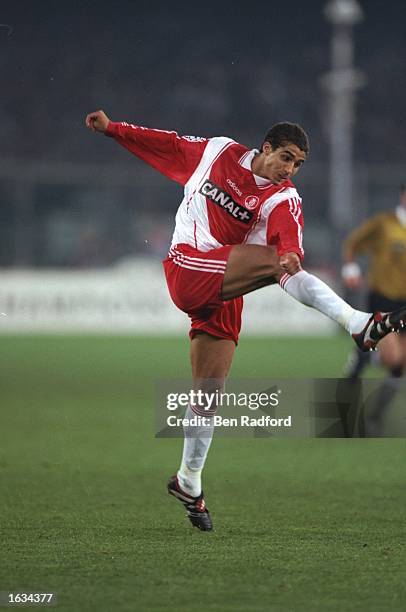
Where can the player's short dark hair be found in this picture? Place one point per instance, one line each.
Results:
(285, 133)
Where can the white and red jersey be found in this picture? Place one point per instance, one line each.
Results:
(224, 202)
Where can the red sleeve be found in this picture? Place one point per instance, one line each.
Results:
(285, 228)
(177, 157)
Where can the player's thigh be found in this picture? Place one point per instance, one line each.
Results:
(211, 359)
(249, 267)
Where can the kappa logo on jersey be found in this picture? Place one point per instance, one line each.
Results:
(251, 202)
(223, 199)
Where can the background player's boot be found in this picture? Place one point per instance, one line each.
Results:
(378, 326)
(196, 509)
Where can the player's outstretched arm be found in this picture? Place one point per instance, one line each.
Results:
(97, 121)
(177, 157)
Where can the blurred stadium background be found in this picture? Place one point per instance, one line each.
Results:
(74, 202)
(83, 227)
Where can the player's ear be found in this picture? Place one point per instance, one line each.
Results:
(267, 147)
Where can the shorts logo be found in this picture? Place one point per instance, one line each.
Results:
(251, 202)
(213, 193)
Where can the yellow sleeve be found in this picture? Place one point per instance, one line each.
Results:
(364, 238)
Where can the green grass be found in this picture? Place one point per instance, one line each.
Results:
(301, 525)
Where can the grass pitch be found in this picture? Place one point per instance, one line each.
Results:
(300, 525)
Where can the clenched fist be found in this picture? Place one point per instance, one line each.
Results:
(97, 121)
(290, 263)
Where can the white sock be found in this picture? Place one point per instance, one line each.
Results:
(196, 445)
(311, 291)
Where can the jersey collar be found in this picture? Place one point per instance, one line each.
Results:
(246, 162)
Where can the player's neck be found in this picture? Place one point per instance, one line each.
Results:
(257, 166)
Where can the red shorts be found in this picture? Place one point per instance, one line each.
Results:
(195, 279)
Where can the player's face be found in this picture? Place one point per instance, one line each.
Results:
(282, 163)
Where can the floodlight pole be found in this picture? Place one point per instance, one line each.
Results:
(342, 82)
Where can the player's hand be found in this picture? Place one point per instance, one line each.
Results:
(351, 275)
(290, 263)
(97, 121)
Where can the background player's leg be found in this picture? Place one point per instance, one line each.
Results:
(402, 339)
(391, 357)
(356, 363)
(211, 361)
(390, 351)
(251, 266)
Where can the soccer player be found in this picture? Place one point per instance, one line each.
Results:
(383, 239)
(238, 228)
